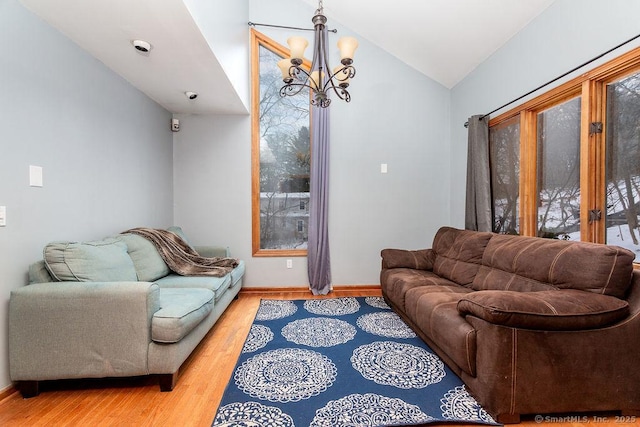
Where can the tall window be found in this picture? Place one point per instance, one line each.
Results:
(558, 146)
(281, 157)
(623, 163)
(578, 164)
(504, 141)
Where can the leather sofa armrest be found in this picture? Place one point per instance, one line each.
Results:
(555, 310)
(212, 251)
(421, 259)
(80, 329)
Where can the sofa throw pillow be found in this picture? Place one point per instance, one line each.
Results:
(100, 261)
(146, 259)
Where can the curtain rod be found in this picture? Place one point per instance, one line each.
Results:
(255, 24)
(466, 124)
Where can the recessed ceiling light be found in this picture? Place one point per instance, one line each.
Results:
(141, 45)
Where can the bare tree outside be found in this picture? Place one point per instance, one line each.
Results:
(623, 163)
(558, 142)
(504, 151)
(285, 160)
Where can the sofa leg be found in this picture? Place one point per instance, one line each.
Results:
(508, 418)
(28, 388)
(168, 381)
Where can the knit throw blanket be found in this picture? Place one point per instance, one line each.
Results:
(181, 258)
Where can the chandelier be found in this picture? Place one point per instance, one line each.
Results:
(321, 79)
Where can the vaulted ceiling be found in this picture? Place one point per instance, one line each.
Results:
(443, 39)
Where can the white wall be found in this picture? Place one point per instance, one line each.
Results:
(402, 124)
(567, 34)
(105, 149)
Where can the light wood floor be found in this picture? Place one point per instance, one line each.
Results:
(139, 402)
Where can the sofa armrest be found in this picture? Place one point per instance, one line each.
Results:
(212, 251)
(80, 329)
(556, 310)
(421, 259)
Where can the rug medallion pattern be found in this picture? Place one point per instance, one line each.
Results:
(340, 362)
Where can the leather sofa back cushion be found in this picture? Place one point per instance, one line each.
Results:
(532, 264)
(564, 310)
(421, 259)
(146, 258)
(101, 261)
(459, 254)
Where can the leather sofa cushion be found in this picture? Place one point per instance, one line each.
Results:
(563, 310)
(459, 253)
(181, 310)
(433, 310)
(100, 261)
(146, 258)
(532, 264)
(396, 282)
(399, 258)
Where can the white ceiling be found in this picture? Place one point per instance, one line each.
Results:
(444, 39)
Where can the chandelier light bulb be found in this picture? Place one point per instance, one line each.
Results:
(347, 46)
(297, 45)
(285, 66)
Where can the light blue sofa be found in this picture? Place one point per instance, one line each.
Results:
(111, 308)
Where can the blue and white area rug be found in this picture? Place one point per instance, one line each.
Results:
(340, 362)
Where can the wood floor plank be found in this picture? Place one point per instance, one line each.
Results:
(193, 402)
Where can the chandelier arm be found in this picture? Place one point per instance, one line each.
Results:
(292, 89)
(295, 71)
(349, 72)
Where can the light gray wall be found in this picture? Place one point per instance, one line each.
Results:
(105, 150)
(223, 24)
(567, 34)
(397, 116)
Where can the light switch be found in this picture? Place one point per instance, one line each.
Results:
(383, 168)
(35, 176)
(3, 216)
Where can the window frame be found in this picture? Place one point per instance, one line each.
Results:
(591, 86)
(260, 40)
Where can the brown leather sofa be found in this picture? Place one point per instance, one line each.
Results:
(532, 326)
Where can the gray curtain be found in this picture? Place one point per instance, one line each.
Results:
(478, 214)
(318, 259)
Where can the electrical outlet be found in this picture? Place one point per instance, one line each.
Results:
(289, 263)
